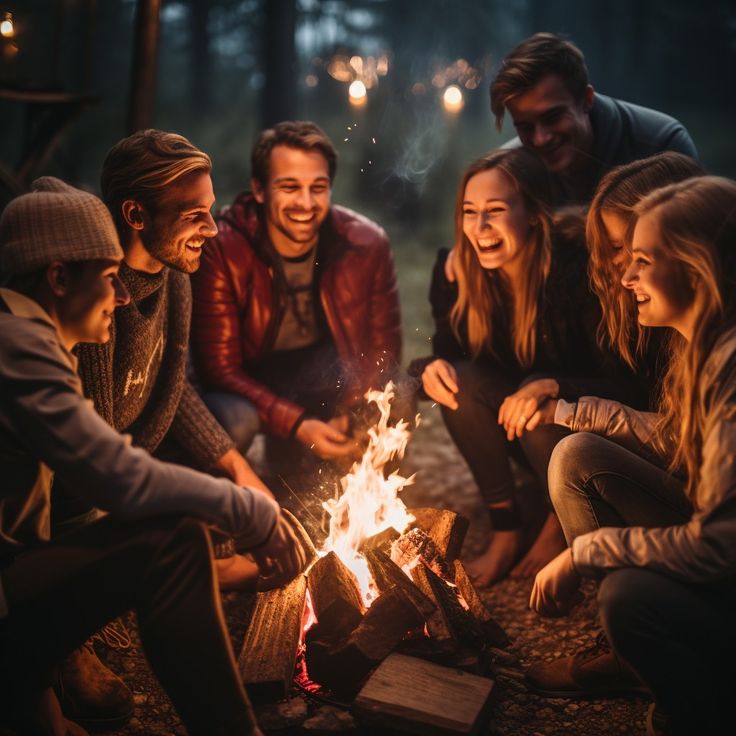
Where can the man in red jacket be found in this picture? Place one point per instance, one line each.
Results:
(296, 310)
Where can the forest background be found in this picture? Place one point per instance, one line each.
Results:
(227, 68)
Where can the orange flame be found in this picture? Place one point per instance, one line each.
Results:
(369, 502)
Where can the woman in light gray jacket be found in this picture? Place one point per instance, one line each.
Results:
(667, 559)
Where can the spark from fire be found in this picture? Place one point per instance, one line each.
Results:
(369, 503)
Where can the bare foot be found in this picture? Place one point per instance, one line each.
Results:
(496, 561)
(236, 573)
(549, 543)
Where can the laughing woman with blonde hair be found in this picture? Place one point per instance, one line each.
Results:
(515, 326)
(622, 484)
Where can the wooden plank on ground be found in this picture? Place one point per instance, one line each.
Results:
(424, 698)
(270, 645)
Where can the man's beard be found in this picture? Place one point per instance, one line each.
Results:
(161, 245)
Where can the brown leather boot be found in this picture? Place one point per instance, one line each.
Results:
(91, 694)
(591, 673)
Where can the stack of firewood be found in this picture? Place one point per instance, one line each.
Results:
(434, 615)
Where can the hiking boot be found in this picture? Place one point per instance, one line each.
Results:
(91, 694)
(656, 723)
(590, 673)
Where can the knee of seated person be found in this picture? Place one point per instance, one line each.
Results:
(478, 382)
(566, 464)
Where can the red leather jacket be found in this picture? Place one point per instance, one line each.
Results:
(238, 297)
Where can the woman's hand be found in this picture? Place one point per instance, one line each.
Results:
(520, 408)
(440, 383)
(556, 587)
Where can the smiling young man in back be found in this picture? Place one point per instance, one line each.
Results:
(296, 310)
(579, 134)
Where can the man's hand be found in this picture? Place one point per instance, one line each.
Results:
(238, 469)
(520, 408)
(556, 587)
(327, 440)
(439, 380)
(281, 558)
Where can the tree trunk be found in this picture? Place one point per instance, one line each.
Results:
(145, 56)
(200, 58)
(279, 62)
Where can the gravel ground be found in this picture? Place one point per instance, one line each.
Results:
(442, 480)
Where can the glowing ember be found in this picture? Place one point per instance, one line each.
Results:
(369, 502)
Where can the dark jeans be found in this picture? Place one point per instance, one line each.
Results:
(594, 482)
(482, 441)
(60, 593)
(680, 640)
(676, 636)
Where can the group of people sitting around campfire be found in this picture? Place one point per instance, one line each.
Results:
(585, 335)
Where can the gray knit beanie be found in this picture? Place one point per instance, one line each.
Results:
(55, 222)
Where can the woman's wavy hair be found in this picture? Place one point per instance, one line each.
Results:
(481, 293)
(697, 226)
(618, 193)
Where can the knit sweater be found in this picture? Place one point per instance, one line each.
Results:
(137, 380)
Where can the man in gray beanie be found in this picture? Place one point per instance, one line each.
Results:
(59, 259)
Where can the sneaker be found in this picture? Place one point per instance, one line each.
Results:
(91, 694)
(656, 723)
(591, 673)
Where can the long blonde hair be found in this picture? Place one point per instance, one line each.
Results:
(481, 293)
(618, 193)
(697, 225)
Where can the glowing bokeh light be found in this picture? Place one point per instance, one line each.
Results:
(6, 26)
(358, 93)
(452, 99)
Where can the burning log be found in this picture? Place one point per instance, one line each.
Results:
(342, 667)
(450, 620)
(381, 541)
(494, 634)
(335, 597)
(271, 642)
(413, 695)
(417, 543)
(446, 529)
(386, 574)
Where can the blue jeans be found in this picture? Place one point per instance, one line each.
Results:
(594, 482)
(237, 416)
(673, 634)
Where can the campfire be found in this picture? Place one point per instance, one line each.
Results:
(387, 579)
